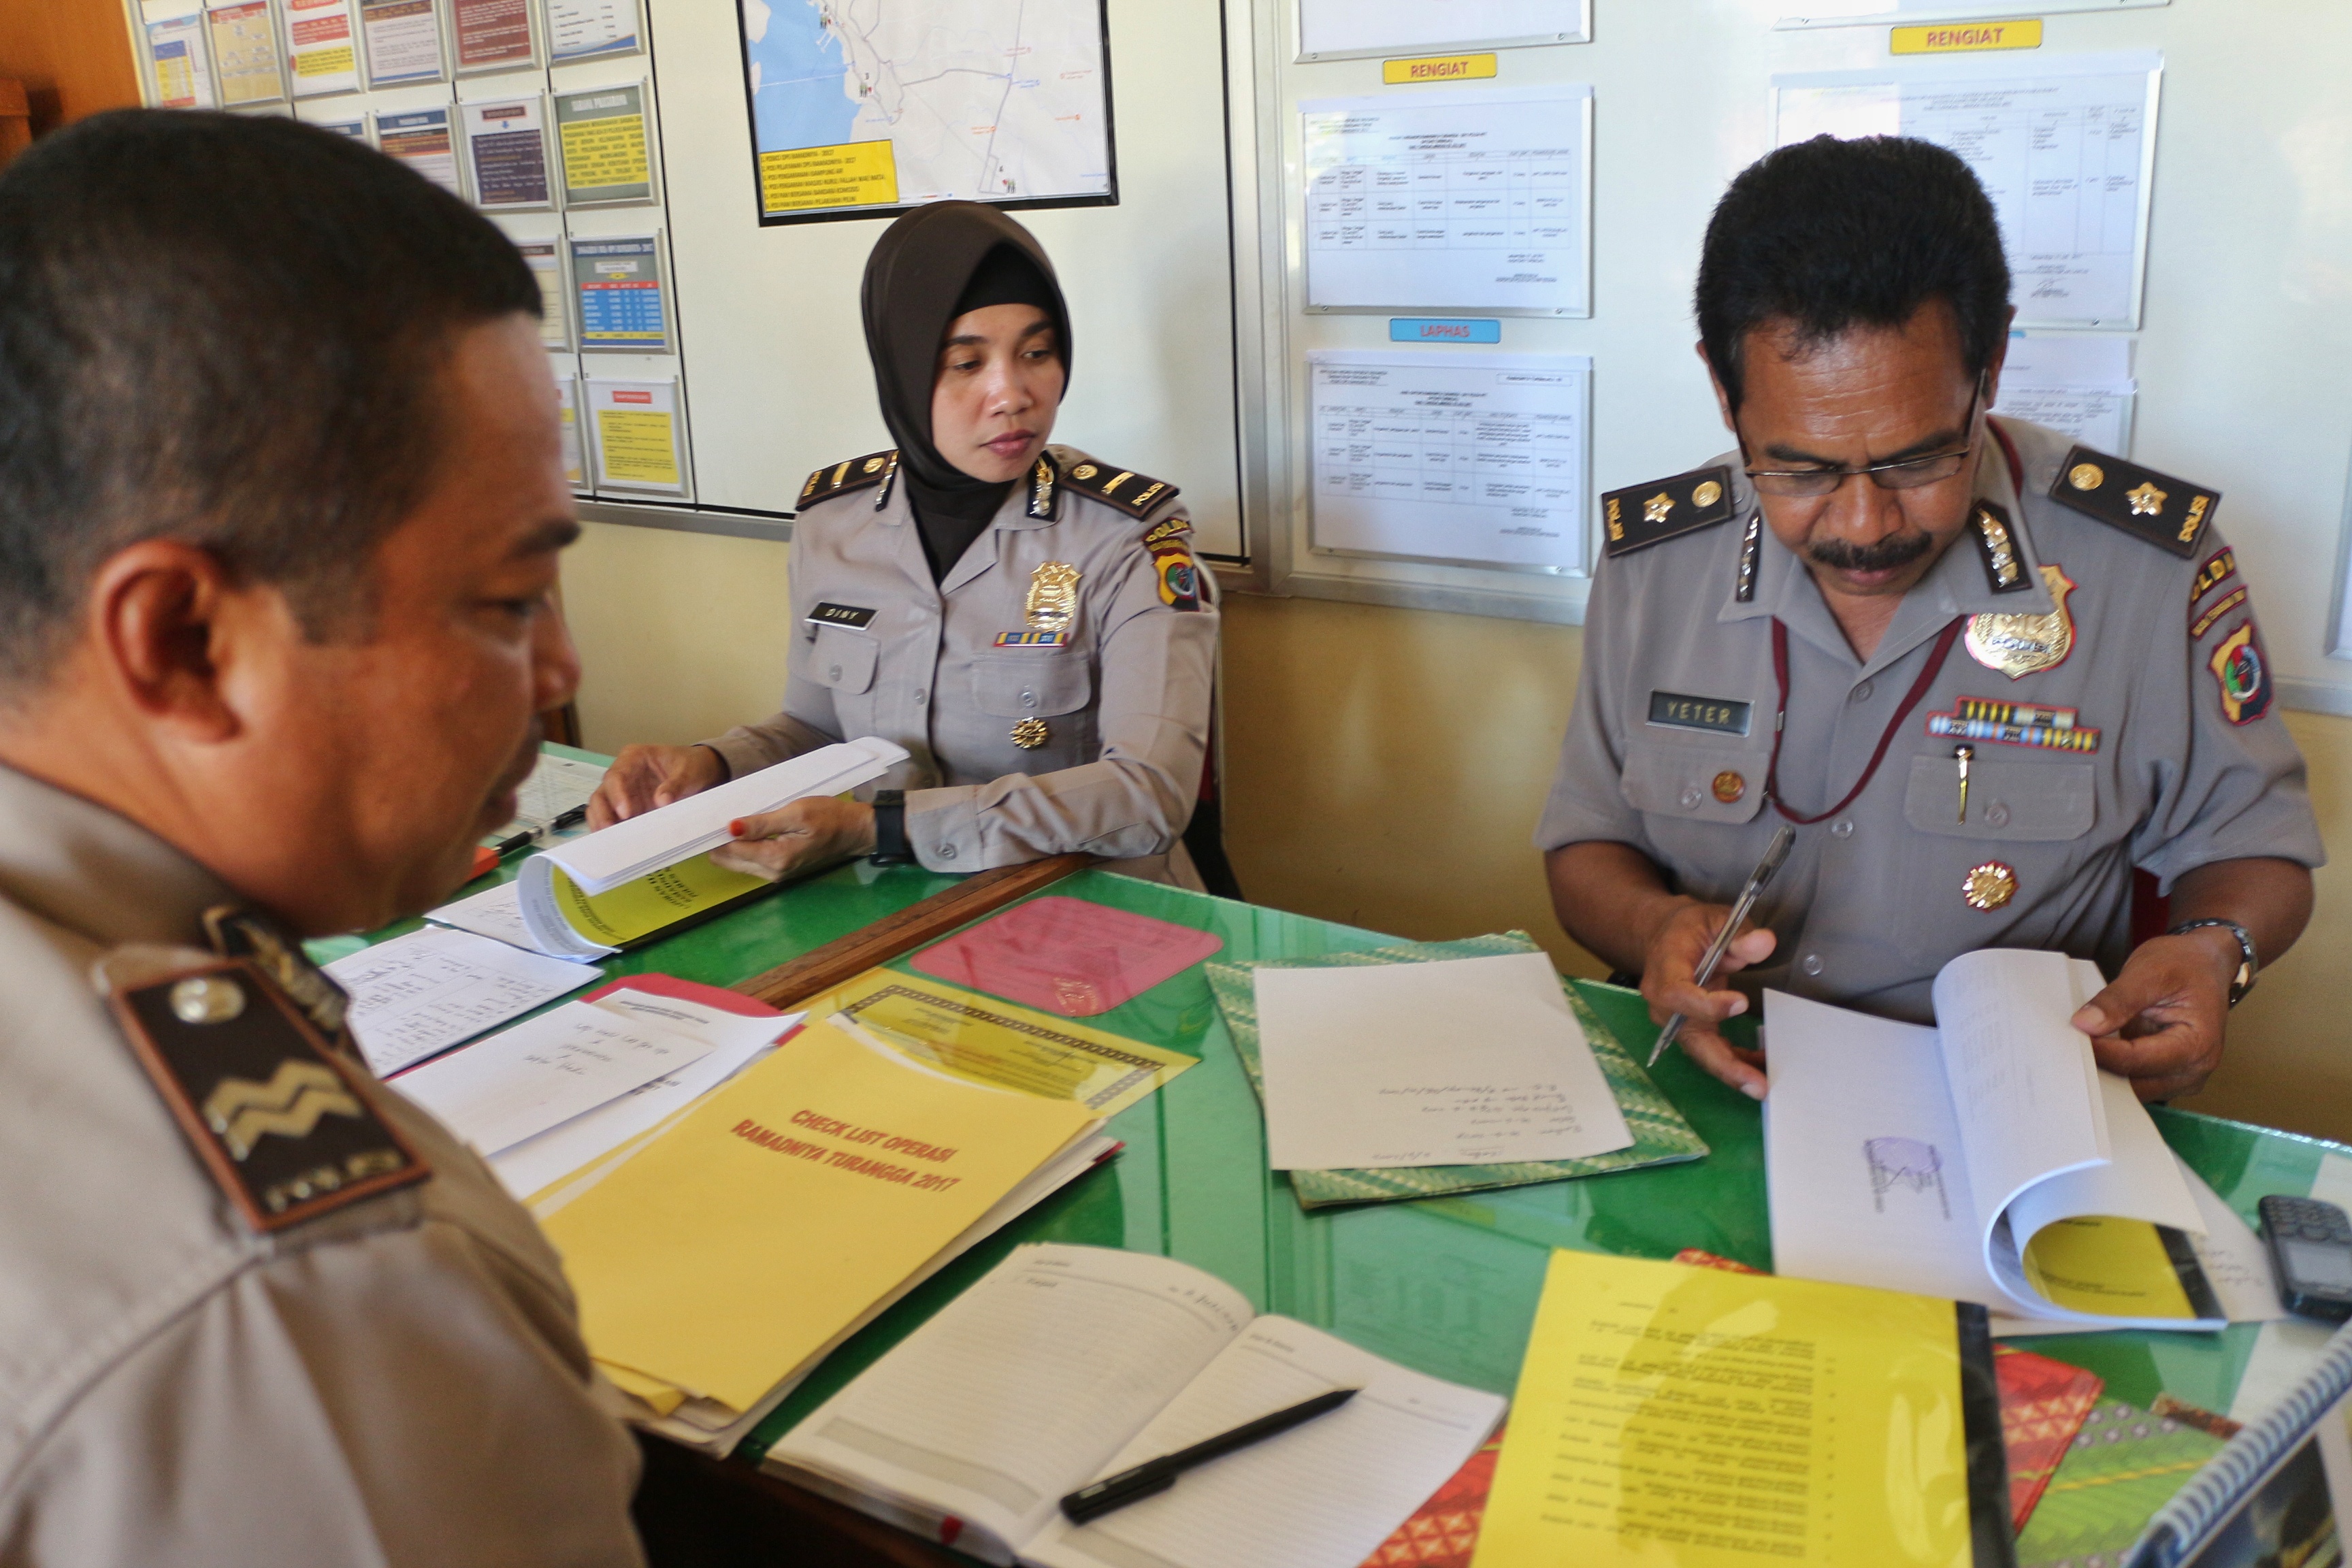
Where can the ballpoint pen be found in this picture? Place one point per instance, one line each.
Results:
(1156, 1475)
(1777, 852)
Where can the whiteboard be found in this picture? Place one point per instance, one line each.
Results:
(2241, 373)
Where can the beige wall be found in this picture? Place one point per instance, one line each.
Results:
(1383, 767)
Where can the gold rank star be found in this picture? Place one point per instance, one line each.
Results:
(2146, 500)
(1654, 509)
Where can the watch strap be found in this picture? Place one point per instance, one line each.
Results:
(2244, 981)
(890, 845)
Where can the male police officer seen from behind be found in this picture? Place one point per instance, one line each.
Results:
(281, 490)
(1988, 673)
(1025, 619)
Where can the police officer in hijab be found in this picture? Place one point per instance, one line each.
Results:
(1025, 618)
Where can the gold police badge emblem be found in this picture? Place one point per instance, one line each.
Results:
(1031, 733)
(1990, 886)
(1053, 601)
(2018, 644)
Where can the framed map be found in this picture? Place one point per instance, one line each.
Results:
(866, 108)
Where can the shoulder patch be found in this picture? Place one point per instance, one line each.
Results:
(1133, 493)
(272, 1111)
(849, 474)
(2170, 513)
(1641, 515)
(1997, 548)
(1160, 533)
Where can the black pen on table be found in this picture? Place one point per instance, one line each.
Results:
(1156, 1475)
(1774, 854)
(531, 836)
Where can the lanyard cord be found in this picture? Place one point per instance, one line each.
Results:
(1951, 634)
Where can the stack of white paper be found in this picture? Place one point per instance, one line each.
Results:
(1469, 1061)
(425, 992)
(2081, 386)
(685, 828)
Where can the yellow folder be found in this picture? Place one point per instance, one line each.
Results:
(739, 1244)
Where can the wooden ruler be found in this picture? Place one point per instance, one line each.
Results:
(844, 959)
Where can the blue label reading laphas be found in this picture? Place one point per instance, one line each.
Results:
(1444, 330)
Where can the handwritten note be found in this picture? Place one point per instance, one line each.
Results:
(1471, 1061)
(545, 1072)
(425, 992)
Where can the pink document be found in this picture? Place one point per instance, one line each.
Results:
(1066, 955)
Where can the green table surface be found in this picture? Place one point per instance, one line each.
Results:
(1447, 1286)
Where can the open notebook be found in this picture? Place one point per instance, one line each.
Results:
(1987, 1159)
(1067, 1364)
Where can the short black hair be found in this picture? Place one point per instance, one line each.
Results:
(1828, 236)
(227, 329)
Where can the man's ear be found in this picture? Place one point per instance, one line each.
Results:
(1722, 398)
(153, 629)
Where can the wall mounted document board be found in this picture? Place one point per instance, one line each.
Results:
(1345, 29)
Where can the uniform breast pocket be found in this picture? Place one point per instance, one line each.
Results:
(1695, 782)
(1031, 685)
(1997, 876)
(2010, 799)
(844, 659)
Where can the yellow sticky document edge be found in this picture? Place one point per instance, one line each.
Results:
(659, 898)
(988, 1041)
(651, 1392)
(737, 1246)
(1667, 1414)
(2115, 1267)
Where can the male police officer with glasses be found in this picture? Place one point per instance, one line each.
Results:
(1986, 673)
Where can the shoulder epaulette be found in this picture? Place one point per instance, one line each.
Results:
(272, 1111)
(1133, 493)
(850, 474)
(1641, 515)
(2171, 514)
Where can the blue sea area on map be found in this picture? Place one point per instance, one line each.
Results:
(800, 102)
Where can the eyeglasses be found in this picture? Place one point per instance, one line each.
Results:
(1907, 475)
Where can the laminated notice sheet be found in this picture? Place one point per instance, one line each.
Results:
(1476, 459)
(622, 305)
(567, 414)
(420, 139)
(579, 29)
(184, 72)
(321, 54)
(245, 53)
(545, 260)
(2071, 382)
(639, 443)
(403, 41)
(492, 35)
(506, 152)
(1474, 199)
(2065, 145)
(605, 145)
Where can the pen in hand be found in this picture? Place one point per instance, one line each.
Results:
(1774, 855)
(1156, 1475)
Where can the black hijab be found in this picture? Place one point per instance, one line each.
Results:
(927, 268)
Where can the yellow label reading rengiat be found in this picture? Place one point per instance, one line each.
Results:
(1966, 37)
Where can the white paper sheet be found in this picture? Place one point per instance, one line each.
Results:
(424, 992)
(2025, 1088)
(1472, 457)
(1473, 199)
(544, 1071)
(556, 786)
(735, 1041)
(1469, 1061)
(1335, 28)
(682, 829)
(2062, 145)
(494, 912)
(2078, 384)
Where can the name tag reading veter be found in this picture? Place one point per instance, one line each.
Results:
(841, 616)
(1676, 711)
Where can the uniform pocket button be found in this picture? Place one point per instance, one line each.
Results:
(834, 673)
(1691, 797)
(1842, 829)
(1028, 699)
(1997, 815)
(1812, 963)
(947, 851)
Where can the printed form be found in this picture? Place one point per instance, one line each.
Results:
(2064, 146)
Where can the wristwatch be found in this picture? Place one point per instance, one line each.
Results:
(890, 845)
(2244, 981)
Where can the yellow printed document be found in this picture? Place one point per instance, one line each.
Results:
(988, 1041)
(1682, 1417)
(742, 1242)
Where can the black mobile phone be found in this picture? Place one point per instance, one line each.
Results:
(2311, 1253)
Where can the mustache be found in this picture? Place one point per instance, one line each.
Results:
(1899, 550)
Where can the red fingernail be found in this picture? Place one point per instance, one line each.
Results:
(735, 828)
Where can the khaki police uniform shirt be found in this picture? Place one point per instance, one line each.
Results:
(1672, 736)
(1122, 705)
(399, 1381)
